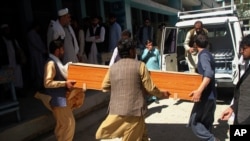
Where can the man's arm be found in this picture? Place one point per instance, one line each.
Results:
(149, 84)
(187, 40)
(106, 85)
(102, 36)
(227, 113)
(196, 94)
(145, 55)
(207, 76)
(49, 75)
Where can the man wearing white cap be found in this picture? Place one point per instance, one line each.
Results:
(61, 29)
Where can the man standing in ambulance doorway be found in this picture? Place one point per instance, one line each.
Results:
(191, 54)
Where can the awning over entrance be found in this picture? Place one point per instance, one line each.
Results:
(191, 2)
(152, 6)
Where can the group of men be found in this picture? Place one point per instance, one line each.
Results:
(124, 120)
(95, 36)
(63, 49)
(129, 81)
(59, 95)
(127, 106)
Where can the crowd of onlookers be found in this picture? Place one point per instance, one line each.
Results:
(72, 41)
(86, 40)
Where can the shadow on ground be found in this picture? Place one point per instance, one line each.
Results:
(179, 132)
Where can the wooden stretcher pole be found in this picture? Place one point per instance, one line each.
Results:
(84, 87)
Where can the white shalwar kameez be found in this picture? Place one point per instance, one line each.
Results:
(93, 59)
(71, 47)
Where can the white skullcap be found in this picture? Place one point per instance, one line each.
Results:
(4, 25)
(63, 12)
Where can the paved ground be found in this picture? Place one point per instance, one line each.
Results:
(165, 121)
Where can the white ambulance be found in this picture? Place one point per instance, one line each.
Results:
(224, 32)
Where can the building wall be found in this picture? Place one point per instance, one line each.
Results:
(130, 12)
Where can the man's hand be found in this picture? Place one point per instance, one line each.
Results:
(227, 114)
(70, 84)
(196, 95)
(192, 50)
(149, 47)
(165, 94)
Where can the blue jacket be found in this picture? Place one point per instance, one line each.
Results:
(206, 67)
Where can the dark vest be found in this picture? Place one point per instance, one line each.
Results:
(58, 94)
(241, 99)
(127, 97)
(193, 36)
(100, 47)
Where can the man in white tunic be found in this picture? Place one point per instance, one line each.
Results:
(61, 28)
(94, 41)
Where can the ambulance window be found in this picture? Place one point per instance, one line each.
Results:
(220, 39)
(221, 33)
(181, 36)
(217, 32)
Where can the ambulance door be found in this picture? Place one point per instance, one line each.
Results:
(238, 63)
(168, 49)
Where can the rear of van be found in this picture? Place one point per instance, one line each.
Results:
(224, 33)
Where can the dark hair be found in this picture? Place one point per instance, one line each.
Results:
(54, 45)
(245, 41)
(200, 22)
(148, 41)
(124, 46)
(126, 33)
(201, 40)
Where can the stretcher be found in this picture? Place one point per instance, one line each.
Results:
(178, 84)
